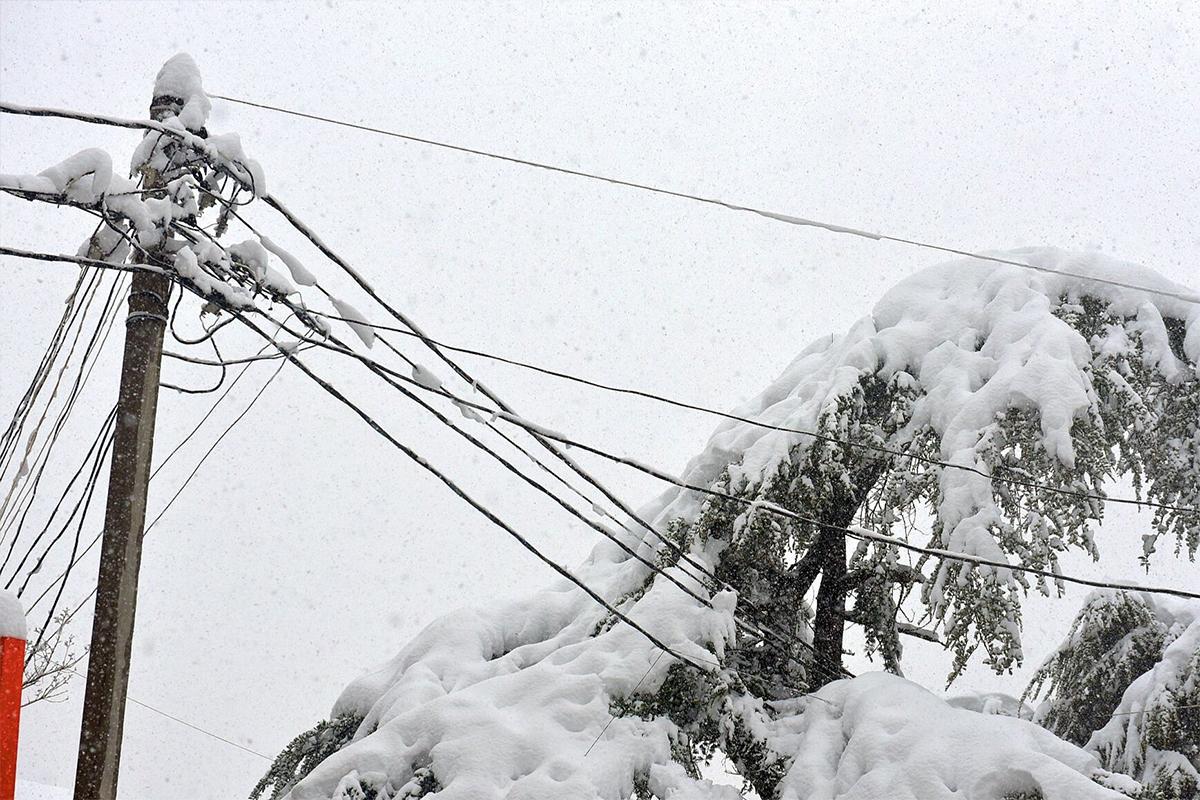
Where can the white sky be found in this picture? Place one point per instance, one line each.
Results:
(308, 549)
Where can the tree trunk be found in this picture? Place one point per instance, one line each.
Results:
(828, 633)
(831, 607)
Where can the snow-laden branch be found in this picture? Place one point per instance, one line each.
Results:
(981, 366)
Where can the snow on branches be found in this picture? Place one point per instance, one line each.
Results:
(515, 698)
(997, 402)
(1032, 390)
(880, 736)
(1125, 685)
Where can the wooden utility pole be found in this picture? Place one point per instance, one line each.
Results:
(124, 520)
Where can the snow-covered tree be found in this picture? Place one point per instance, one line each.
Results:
(1126, 685)
(1038, 388)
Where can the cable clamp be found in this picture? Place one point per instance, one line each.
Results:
(158, 298)
(136, 315)
(148, 293)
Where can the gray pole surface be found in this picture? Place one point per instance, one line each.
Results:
(125, 517)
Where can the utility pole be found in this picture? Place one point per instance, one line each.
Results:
(97, 770)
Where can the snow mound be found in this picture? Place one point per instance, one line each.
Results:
(179, 78)
(992, 703)
(12, 616)
(882, 736)
(514, 702)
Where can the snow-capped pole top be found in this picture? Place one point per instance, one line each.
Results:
(12, 616)
(177, 91)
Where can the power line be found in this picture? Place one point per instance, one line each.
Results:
(860, 534)
(291, 356)
(769, 507)
(94, 454)
(378, 369)
(769, 426)
(683, 404)
(82, 505)
(197, 728)
(230, 167)
(316, 240)
(633, 691)
(537, 432)
(769, 214)
(772, 215)
(108, 315)
(434, 345)
(479, 386)
(456, 489)
(196, 428)
(357, 277)
(191, 725)
(633, 515)
(410, 330)
(12, 434)
(411, 454)
(68, 316)
(790, 219)
(81, 260)
(28, 492)
(772, 508)
(72, 559)
(62, 576)
(303, 313)
(1003, 565)
(756, 628)
(22, 487)
(1148, 710)
(213, 446)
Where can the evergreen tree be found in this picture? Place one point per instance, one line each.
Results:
(997, 403)
(1125, 684)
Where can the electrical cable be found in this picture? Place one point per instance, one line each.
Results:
(781, 428)
(470, 500)
(187, 724)
(771, 215)
(25, 496)
(475, 383)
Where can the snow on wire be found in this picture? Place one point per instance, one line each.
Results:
(364, 329)
(558, 663)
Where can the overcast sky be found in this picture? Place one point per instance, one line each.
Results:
(307, 549)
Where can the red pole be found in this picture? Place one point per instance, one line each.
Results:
(12, 669)
(12, 672)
